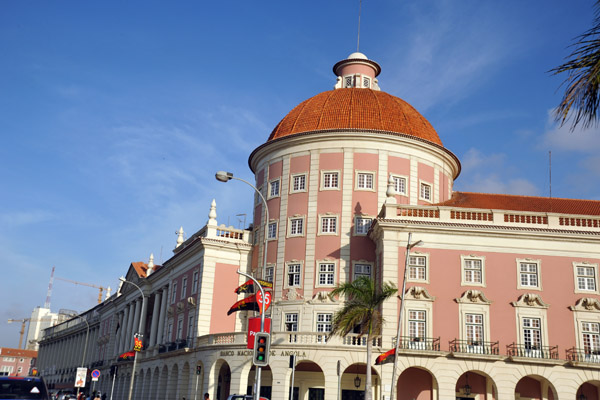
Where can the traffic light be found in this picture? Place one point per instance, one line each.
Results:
(198, 369)
(262, 342)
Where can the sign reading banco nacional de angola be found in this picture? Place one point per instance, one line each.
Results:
(273, 353)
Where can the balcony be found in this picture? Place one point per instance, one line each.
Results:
(576, 355)
(474, 347)
(532, 351)
(419, 343)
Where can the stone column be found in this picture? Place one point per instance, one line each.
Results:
(155, 315)
(129, 330)
(137, 316)
(163, 312)
(123, 328)
(143, 314)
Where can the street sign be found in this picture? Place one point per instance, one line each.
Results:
(95, 375)
(80, 377)
(267, 301)
(253, 327)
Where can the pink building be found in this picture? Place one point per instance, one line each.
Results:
(16, 362)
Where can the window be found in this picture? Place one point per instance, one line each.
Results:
(362, 225)
(170, 331)
(179, 328)
(323, 325)
(291, 322)
(585, 278)
(6, 370)
(362, 270)
(591, 338)
(330, 180)
(269, 274)
(532, 333)
(348, 81)
(425, 191)
(296, 226)
(184, 287)
(326, 274)
(19, 370)
(417, 268)
(474, 329)
(293, 274)
(195, 282)
(274, 188)
(190, 328)
(472, 271)
(9, 359)
(298, 183)
(272, 230)
(174, 292)
(529, 274)
(366, 82)
(364, 180)
(399, 184)
(328, 225)
(416, 324)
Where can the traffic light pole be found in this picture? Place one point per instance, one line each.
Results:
(262, 326)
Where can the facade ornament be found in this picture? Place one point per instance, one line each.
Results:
(180, 237)
(212, 214)
(418, 293)
(170, 311)
(293, 294)
(586, 304)
(530, 300)
(180, 306)
(191, 302)
(150, 269)
(473, 296)
(321, 297)
(391, 191)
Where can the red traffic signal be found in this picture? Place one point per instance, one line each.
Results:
(262, 343)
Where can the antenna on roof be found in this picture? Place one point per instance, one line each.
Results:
(359, 11)
(550, 170)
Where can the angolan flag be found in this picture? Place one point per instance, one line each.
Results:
(249, 303)
(386, 357)
(248, 287)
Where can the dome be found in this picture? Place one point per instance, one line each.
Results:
(355, 109)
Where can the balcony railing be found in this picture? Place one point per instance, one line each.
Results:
(419, 343)
(474, 347)
(583, 355)
(530, 351)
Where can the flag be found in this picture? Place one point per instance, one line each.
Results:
(127, 356)
(386, 357)
(248, 287)
(249, 303)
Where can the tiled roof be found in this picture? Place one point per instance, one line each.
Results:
(140, 268)
(523, 203)
(6, 351)
(356, 109)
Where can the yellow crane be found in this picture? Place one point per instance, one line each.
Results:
(101, 288)
(24, 321)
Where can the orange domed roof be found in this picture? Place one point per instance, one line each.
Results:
(355, 109)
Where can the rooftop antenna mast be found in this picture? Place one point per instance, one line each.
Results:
(359, 12)
(47, 303)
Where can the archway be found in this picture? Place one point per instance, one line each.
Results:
(185, 389)
(354, 380)
(416, 383)
(223, 382)
(476, 385)
(590, 390)
(266, 379)
(535, 387)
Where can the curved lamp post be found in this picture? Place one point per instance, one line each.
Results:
(223, 176)
(139, 330)
(87, 334)
(409, 246)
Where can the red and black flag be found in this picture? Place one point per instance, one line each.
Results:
(386, 357)
(248, 287)
(249, 303)
(127, 356)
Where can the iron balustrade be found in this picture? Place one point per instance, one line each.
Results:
(474, 347)
(530, 351)
(583, 355)
(419, 343)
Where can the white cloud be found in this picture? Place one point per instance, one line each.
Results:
(26, 217)
(577, 140)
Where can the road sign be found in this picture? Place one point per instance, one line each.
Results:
(80, 377)
(253, 327)
(95, 375)
(267, 301)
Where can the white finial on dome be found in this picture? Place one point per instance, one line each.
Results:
(179, 237)
(391, 191)
(150, 269)
(212, 215)
(357, 55)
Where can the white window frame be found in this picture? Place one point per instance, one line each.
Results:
(291, 221)
(474, 308)
(292, 318)
(174, 292)
(420, 324)
(195, 281)
(170, 331)
(419, 255)
(592, 350)
(179, 328)
(587, 277)
(536, 313)
(323, 324)
(184, 287)
(272, 230)
(361, 228)
(274, 183)
(269, 271)
(330, 229)
(361, 265)
(357, 178)
(190, 328)
(326, 273)
(396, 179)
(422, 186)
(298, 273)
(323, 180)
(293, 178)
(538, 264)
(464, 260)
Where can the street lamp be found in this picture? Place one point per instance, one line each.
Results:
(87, 334)
(139, 332)
(223, 176)
(409, 246)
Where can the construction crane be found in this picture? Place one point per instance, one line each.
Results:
(23, 322)
(101, 288)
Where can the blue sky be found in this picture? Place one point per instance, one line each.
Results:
(115, 115)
